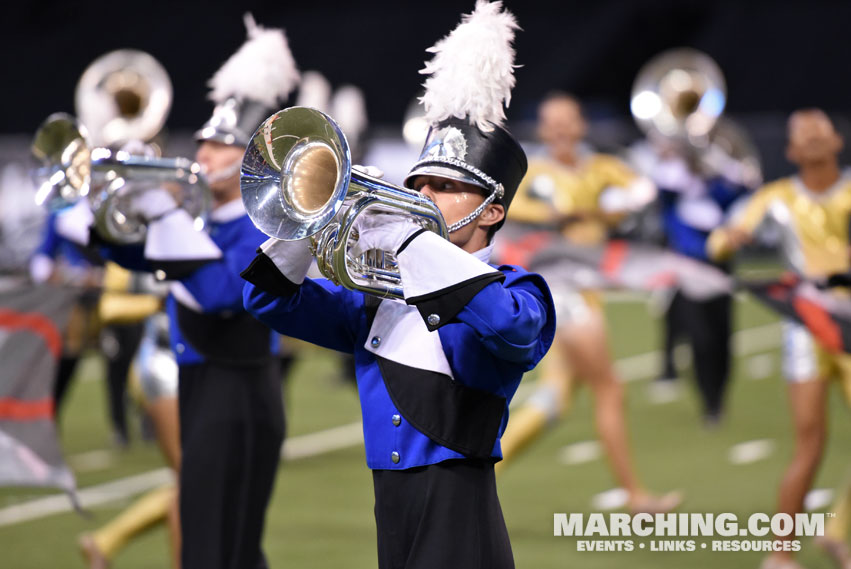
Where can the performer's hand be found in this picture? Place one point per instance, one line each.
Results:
(75, 222)
(383, 231)
(737, 238)
(152, 204)
(724, 241)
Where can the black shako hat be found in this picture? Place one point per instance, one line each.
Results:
(470, 78)
(455, 149)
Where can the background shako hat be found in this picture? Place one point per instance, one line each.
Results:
(250, 86)
(470, 80)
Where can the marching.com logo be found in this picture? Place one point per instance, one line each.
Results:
(778, 531)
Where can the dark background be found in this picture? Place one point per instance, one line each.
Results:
(776, 55)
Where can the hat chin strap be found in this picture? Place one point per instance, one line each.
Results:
(476, 213)
(225, 173)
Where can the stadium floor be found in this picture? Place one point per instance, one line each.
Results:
(321, 514)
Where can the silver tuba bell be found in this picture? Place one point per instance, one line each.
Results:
(679, 94)
(678, 99)
(297, 182)
(123, 95)
(72, 170)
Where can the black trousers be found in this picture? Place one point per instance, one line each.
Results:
(124, 341)
(707, 325)
(231, 430)
(445, 515)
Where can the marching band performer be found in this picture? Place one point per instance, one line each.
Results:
(229, 386)
(695, 196)
(815, 208)
(701, 163)
(582, 195)
(436, 371)
(154, 379)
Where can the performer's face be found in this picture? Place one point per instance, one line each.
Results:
(220, 163)
(456, 200)
(561, 126)
(812, 138)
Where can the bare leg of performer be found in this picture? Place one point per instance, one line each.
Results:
(834, 541)
(158, 505)
(836, 533)
(552, 398)
(164, 414)
(808, 406)
(588, 350)
(583, 348)
(101, 546)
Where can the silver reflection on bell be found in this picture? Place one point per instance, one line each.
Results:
(297, 182)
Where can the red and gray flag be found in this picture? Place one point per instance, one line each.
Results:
(32, 319)
(826, 315)
(640, 266)
(615, 264)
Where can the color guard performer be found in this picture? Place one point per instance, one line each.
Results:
(814, 208)
(154, 383)
(582, 195)
(436, 370)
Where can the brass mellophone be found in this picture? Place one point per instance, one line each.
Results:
(297, 182)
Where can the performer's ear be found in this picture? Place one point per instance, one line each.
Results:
(492, 215)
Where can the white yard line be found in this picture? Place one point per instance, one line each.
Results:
(640, 366)
(329, 440)
(89, 497)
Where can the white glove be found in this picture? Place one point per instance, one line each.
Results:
(41, 267)
(383, 231)
(674, 175)
(139, 148)
(371, 171)
(75, 222)
(152, 204)
(292, 258)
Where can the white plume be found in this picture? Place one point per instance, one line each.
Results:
(263, 69)
(315, 91)
(348, 108)
(472, 71)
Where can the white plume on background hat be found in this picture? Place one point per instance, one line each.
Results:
(251, 84)
(314, 91)
(263, 69)
(472, 71)
(348, 107)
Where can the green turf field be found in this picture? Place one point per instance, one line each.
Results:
(321, 514)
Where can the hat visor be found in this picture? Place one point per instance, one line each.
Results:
(443, 171)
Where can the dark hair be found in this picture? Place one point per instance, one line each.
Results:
(804, 112)
(562, 96)
(492, 231)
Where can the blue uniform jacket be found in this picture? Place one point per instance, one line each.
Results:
(54, 245)
(501, 333)
(216, 285)
(683, 237)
